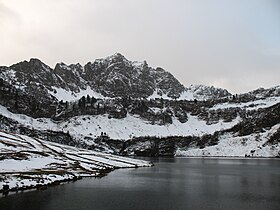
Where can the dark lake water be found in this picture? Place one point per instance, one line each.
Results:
(174, 183)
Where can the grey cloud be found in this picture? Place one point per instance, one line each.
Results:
(7, 14)
(232, 44)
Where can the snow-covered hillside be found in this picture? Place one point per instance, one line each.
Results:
(86, 129)
(251, 105)
(123, 129)
(27, 162)
(230, 145)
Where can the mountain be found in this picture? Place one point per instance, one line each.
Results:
(113, 76)
(126, 107)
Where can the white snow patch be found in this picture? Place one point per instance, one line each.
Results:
(65, 95)
(186, 95)
(10, 165)
(132, 126)
(157, 95)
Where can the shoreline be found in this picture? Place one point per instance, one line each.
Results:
(102, 173)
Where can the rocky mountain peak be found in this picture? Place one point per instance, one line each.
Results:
(116, 57)
(116, 76)
(113, 76)
(34, 65)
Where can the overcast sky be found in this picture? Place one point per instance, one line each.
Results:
(233, 44)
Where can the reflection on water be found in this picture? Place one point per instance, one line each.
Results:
(174, 183)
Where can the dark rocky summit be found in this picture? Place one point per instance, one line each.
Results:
(113, 76)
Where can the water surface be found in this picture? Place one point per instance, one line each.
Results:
(174, 183)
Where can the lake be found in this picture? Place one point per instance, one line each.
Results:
(173, 183)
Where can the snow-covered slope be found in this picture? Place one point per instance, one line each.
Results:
(27, 162)
(126, 128)
(132, 126)
(198, 92)
(230, 145)
(251, 105)
(255, 117)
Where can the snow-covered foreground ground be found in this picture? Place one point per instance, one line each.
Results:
(26, 162)
(253, 145)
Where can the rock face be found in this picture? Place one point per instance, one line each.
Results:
(142, 110)
(206, 92)
(113, 76)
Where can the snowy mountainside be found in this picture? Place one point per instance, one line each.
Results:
(115, 105)
(203, 92)
(256, 135)
(30, 162)
(230, 145)
(262, 93)
(123, 129)
(205, 125)
(195, 92)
